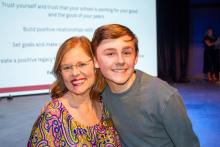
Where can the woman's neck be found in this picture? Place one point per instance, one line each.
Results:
(83, 109)
(78, 101)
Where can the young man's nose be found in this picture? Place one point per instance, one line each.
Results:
(121, 59)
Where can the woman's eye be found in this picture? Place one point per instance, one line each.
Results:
(67, 67)
(82, 64)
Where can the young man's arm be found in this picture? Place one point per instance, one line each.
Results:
(178, 124)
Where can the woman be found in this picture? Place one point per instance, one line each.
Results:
(210, 63)
(75, 116)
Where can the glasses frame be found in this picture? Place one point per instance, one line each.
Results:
(79, 66)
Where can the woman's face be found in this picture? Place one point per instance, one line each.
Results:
(210, 32)
(77, 70)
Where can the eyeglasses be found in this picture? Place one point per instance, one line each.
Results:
(81, 66)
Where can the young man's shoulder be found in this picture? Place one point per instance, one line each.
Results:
(155, 85)
(149, 79)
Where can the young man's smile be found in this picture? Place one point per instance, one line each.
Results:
(116, 60)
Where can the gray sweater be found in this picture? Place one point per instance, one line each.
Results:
(150, 114)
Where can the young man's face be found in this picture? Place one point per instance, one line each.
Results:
(116, 59)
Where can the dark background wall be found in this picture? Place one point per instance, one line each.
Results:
(203, 14)
(180, 29)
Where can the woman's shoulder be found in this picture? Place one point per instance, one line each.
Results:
(54, 107)
(53, 104)
(105, 112)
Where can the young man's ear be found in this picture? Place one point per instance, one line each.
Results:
(136, 59)
(96, 63)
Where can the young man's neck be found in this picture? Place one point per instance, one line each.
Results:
(120, 88)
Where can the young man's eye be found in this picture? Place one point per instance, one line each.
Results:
(127, 53)
(109, 54)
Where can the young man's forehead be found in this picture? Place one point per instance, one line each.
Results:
(125, 38)
(115, 45)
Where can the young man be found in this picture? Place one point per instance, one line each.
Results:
(145, 110)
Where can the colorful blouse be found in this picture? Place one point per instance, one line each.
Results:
(57, 128)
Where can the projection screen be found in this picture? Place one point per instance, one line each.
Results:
(32, 31)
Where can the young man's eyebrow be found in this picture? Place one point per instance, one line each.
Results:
(110, 49)
(127, 47)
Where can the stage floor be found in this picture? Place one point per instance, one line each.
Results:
(202, 100)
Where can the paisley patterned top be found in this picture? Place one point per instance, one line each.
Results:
(57, 128)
